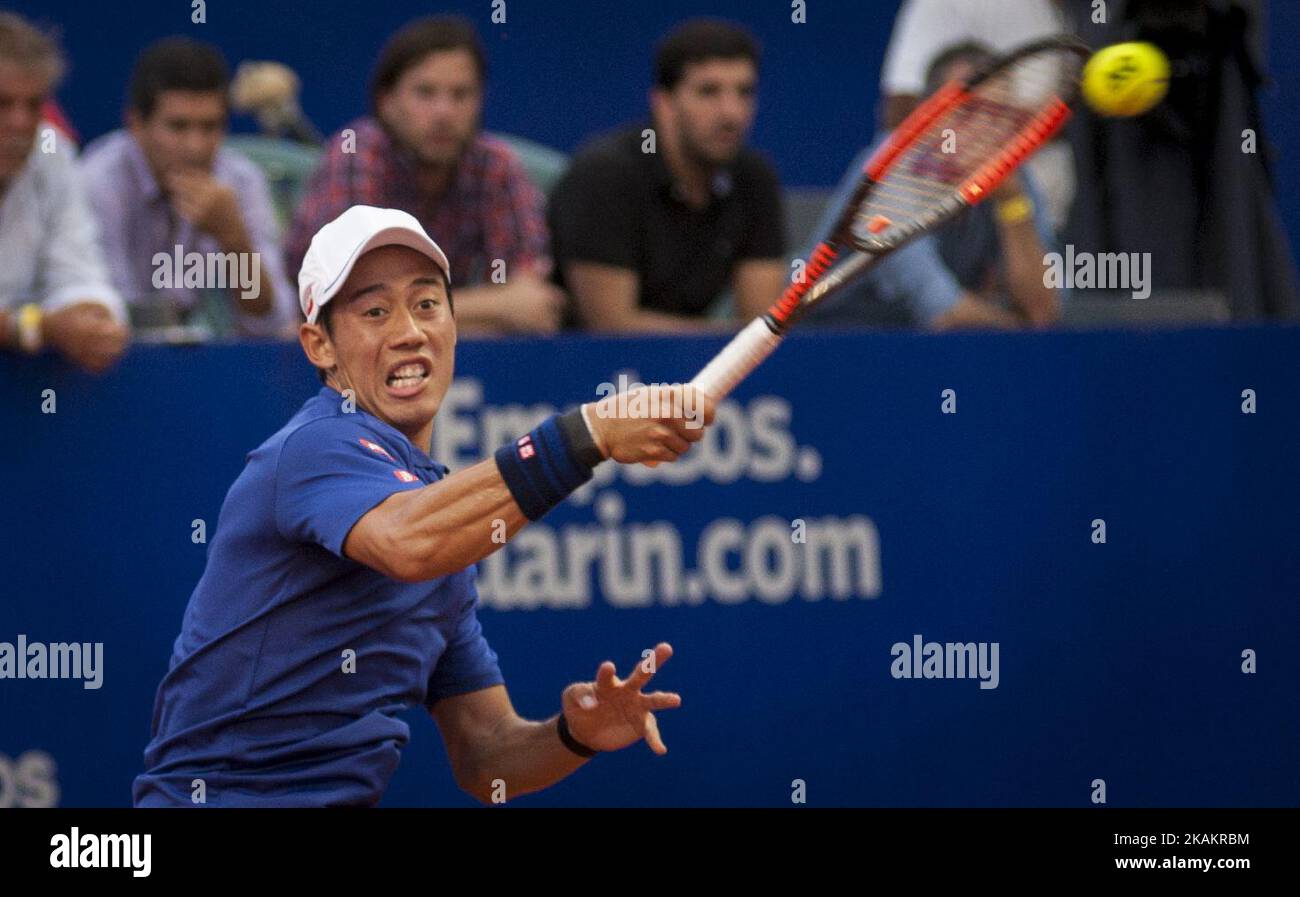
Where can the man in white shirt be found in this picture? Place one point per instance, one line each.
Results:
(925, 28)
(54, 288)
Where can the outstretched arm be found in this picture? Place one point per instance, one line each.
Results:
(496, 753)
(422, 534)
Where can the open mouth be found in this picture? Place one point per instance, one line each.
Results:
(408, 377)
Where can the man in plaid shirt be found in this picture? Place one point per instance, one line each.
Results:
(422, 152)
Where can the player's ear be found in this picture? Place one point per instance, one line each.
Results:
(317, 345)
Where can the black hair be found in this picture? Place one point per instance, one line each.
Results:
(176, 63)
(700, 40)
(416, 41)
(323, 319)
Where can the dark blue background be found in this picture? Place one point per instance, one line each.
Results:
(1118, 661)
(561, 71)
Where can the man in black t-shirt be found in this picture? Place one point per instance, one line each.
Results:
(652, 223)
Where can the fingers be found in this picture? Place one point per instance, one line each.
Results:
(646, 667)
(676, 443)
(666, 448)
(654, 424)
(652, 735)
(661, 700)
(689, 431)
(605, 678)
(701, 401)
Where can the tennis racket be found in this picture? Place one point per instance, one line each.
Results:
(948, 155)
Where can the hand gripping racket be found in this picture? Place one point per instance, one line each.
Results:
(948, 155)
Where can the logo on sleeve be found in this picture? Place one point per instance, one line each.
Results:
(377, 449)
(406, 476)
(526, 447)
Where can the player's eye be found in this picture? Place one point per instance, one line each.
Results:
(373, 311)
(429, 303)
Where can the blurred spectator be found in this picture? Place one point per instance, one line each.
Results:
(269, 91)
(924, 28)
(166, 182)
(653, 222)
(54, 290)
(421, 151)
(982, 269)
(1189, 182)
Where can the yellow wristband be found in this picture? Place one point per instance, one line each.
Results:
(29, 327)
(1016, 210)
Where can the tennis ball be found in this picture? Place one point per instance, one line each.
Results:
(1126, 79)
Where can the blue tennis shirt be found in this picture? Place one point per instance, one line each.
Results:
(293, 662)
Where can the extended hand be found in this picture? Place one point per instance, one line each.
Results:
(650, 423)
(209, 205)
(86, 334)
(612, 713)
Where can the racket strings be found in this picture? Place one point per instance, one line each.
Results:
(962, 140)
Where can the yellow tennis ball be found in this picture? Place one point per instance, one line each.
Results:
(1126, 79)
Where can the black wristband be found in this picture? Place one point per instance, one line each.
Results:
(543, 466)
(579, 438)
(570, 742)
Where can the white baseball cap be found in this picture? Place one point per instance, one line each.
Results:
(337, 246)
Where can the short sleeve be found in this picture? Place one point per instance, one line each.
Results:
(331, 472)
(469, 663)
(594, 215)
(72, 264)
(765, 235)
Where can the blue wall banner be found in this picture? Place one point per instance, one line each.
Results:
(901, 570)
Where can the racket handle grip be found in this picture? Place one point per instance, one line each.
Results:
(746, 351)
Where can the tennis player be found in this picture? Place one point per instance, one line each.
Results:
(339, 587)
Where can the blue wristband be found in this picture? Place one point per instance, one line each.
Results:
(542, 467)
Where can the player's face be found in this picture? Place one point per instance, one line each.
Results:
(434, 108)
(184, 131)
(394, 338)
(22, 94)
(713, 107)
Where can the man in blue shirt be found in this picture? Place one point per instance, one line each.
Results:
(339, 588)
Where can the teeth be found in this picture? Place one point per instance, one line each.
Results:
(407, 375)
